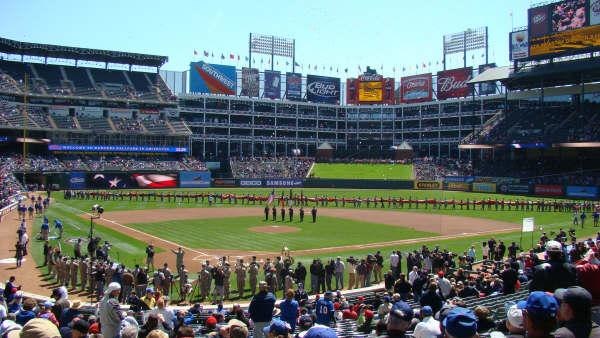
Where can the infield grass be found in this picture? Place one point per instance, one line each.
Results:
(363, 171)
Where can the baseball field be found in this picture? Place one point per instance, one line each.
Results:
(239, 230)
(363, 171)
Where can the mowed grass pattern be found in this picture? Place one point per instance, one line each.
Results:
(363, 171)
(234, 233)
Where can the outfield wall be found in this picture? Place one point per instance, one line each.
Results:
(203, 179)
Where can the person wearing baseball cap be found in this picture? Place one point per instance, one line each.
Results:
(305, 322)
(320, 331)
(428, 327)
(539, 314)
(460, 323)
(277, 328)
(554, 274)
(399, 319)
(575, 313)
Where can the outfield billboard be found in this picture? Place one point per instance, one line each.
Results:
(538, 21)
(194, 179)
(457, 186)
(107, 180)
(116, 149)
(454, 83)
(293, 86)
(370, 88)
(212, 79)
(389, 90)
(250, 183)
(507, 188)
(351, 91)
(484, 187)
(250, 82)
(428, 185)
(283, 183)
(322, 89)
(548, 190)
(416, 88)
(567, 41)
(272, 85)
(77, 180)
(579, 191)
(594, 11)
(519, 45)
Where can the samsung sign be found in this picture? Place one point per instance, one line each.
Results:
(283, 183)
(322, 89)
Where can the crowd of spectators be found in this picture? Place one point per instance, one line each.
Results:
(508, 293)
(9, 186)
(38, 163)
(436, 168)
(270, 167)
(125, 124)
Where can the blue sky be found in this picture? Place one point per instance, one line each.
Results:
(330, 34)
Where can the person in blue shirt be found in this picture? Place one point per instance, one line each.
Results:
(58, 226)
(324, 309)
(596, 217)
(261, 309)
(289, 309)
(45, 229)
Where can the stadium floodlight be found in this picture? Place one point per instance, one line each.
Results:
(272, 45)
(470, 39)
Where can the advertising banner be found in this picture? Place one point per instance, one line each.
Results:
(370, 92)
(460, 179)
(548, 190)
(457, 186)
(194, 179)
(119, 149)
(351, 91)
(224, 182)
(293, 86)
(574, 40)
(212, 79)
(251, 183)
(77, 180)
(389, 90)
(272, 87)
(323, 89)
(594, 12)
(539, 21)
(453, 83)
(519, 44)
(484, 187)
(250, 82)
(415, 88)
(487, 88)
(127, 181)
(428, 185)
(514, 188)
(582, 191)
(283, 183)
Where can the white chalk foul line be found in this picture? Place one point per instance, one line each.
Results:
(144, 233)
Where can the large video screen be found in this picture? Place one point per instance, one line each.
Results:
(371, 91)
(568, 15)
(564, 27)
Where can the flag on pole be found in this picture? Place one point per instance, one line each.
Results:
(205, 53)
(195, 52)
(231, 56)
(271, 197)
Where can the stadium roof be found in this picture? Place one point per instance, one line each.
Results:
(555, 74)
(76, 53)
(492, 74)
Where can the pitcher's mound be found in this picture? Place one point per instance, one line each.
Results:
(274, 229)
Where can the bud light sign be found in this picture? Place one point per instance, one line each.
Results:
(453, 83)
(323, 89)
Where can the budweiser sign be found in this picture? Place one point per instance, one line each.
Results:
(453, 83)
(416, 88)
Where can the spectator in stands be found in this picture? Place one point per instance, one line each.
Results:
(277, 329)
(460, 323)
(432, 298)
(557, 273)
(429, 327)
(38, 328)
(575, 314)
(509, 279)
(399, 319)
(539, 314)
(153, 322)
(27, 313)
(484, 322)
(110, 316)
(289, 309)
(261, 309)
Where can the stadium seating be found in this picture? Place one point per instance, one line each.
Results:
(261, 167)
(47, 79)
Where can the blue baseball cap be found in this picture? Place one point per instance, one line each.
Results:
(426, 311)
(277, 326)
(320, 332)
(404, 308)
(539, 304)
(460, 322)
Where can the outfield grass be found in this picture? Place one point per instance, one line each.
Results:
(327, 232)
(363, 171)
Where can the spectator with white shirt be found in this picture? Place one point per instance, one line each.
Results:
(394, 263)
(429, 327)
